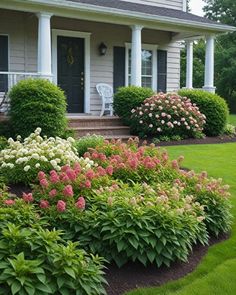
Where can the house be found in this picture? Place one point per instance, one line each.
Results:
(79, 43)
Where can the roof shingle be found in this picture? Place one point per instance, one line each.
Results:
(147, 9)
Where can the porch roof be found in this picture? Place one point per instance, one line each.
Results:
(182, 24)
(157, 12)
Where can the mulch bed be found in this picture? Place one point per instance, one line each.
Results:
(190, 141)
(134, 275)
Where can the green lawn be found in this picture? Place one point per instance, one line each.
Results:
(217, 272)
(232, 119)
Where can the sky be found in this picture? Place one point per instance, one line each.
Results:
(196, 7)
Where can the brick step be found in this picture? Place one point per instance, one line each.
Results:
(102, 130)
(94, 121)
(122, 137)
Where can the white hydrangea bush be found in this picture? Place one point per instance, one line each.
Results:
(22, 160)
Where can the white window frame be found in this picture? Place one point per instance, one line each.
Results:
(150, 47)
(86, 37)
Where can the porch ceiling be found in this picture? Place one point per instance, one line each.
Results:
(182, 24)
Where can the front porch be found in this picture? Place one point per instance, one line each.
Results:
(63, 45)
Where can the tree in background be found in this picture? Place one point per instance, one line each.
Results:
(225, 53)
(198, 64)
(225, 58)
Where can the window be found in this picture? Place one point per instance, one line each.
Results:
(149, 66)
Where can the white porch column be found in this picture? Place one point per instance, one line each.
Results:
(44, 45)
(209, 64)
(189, 64)
(136, 56)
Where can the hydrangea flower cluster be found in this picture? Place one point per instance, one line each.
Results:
(66, 188)
(26, 158)
(168, 114)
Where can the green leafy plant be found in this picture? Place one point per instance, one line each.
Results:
(128, 98)
(3, 142)
(167, 138)
(133, 224)
(212, 106)
(90, 141)
(39, 262)
(229, 130)
(41, 104)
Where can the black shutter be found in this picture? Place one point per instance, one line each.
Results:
(118, 67)
(161, 70)
(3, 62)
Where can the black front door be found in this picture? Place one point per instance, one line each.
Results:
(3, 63)
(70, 69)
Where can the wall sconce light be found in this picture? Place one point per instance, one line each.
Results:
(102, 49)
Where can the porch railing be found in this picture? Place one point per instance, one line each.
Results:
(9, 79)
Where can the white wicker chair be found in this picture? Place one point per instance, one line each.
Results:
(105, 91)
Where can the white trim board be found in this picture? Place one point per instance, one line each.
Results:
(86, 37)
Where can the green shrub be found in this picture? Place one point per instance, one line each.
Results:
(167, 115)
(3, 142)
(229, 130)
(6, 129)
(211, 194)
(37, 103)
(128, 98)
(90, 141)
(38, 261)
(133, 224)
(212, 106)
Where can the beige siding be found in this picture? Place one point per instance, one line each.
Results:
(174, 4)
(12, 24)
(22, 31)
(173, 67)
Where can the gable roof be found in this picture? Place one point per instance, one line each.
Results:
(148, 9)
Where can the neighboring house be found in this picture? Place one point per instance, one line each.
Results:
(79, 43)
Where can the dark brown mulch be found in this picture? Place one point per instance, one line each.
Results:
(135, 275)
(19, 189)
(190, 141)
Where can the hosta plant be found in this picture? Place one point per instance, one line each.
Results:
(138, 224)
(22, 160)
(168, 115)
(38, 261)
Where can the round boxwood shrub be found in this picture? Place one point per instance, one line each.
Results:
(128, 98)
(37, 103)
(212, 106)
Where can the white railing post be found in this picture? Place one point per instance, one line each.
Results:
(136, 56)
(44, 45)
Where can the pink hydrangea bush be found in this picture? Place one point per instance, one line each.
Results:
(167, 115)
(134, 203)
(131, 162)
(66, 189)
